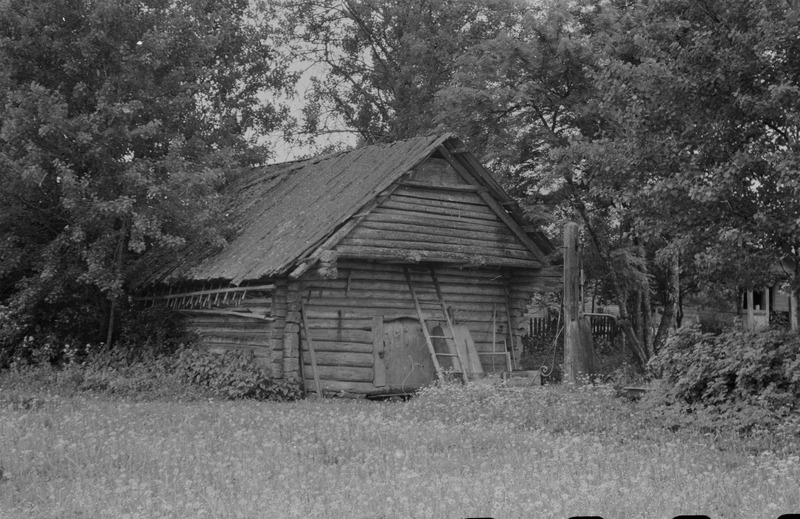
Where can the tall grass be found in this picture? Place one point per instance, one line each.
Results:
(451, 452)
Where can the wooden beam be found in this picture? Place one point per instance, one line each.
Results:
(415, 256)
(495, 206)
(313, 355)
(469, 188)
(226, 312)
(578, 356)
(378, 353)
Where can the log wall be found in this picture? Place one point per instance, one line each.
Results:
(245, 322)
(342, 314)
(439, 223)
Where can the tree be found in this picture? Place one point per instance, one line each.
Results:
(119, 118)
(375, 65)
(669, 129)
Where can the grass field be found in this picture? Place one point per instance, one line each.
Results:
(452, 452)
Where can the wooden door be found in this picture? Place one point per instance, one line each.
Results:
(408, 363)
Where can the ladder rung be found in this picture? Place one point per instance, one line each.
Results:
(440, 336)
(447, 354)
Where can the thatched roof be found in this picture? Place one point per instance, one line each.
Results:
(284, 211)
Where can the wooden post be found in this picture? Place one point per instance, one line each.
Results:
(793, 311)
(311, 351)
(378, 353)
(750, 325)
(577, 333)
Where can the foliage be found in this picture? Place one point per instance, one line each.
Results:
(747, 378)
(119, 118)
(157, 371)
(453, 451)
(375, 65)
(234, 375)
(669, 129)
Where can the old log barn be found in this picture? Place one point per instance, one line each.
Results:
(371, 271)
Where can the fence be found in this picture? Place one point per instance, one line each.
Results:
(603, 326)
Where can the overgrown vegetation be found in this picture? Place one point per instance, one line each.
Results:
(738, 379)
(454, 451)
(151, 372)
(119, 120)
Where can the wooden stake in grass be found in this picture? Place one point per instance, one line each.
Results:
(310, 349)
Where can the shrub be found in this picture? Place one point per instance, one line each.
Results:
(148, 372)
(233, 375)
(749, 377)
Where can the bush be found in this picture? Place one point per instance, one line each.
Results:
(749, 378)
(234, 375)
(150, 373)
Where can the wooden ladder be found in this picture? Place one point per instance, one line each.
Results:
(459, 363)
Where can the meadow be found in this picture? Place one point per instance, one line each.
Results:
(450, 452)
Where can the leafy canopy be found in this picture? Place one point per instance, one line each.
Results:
(117, 120)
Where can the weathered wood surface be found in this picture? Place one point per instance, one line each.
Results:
(385, 215)
(499, 211)
(341, 358)
(578, 357)
(363, 292)
(420, 255)
(340, 373)
(423, 325)
(378, 353)
(309, 343)
(418, 224)
(466, 349)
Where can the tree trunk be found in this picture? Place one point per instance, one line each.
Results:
(671, 307)
(619, 291)
(123, 234)
(637, 315)
(647, 332)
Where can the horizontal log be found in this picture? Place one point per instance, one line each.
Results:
(217, 317)
(338, 346)
(438, 195)
(399, 255)
(470, 205)
(227, 313)
(473, 313)
(441, 187)
(434, 220)
(329, 358)
(356, 265)
(440, 228)
(463, 248)
(364, 323)
(394, 289)
(340, 373)
(343, 336)
(227, 332)
(425, 209)
(257, 301)
(484, 244)
(339, 386)
(399, 299)
(393, 280)
(258, 310)
(221, 342)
